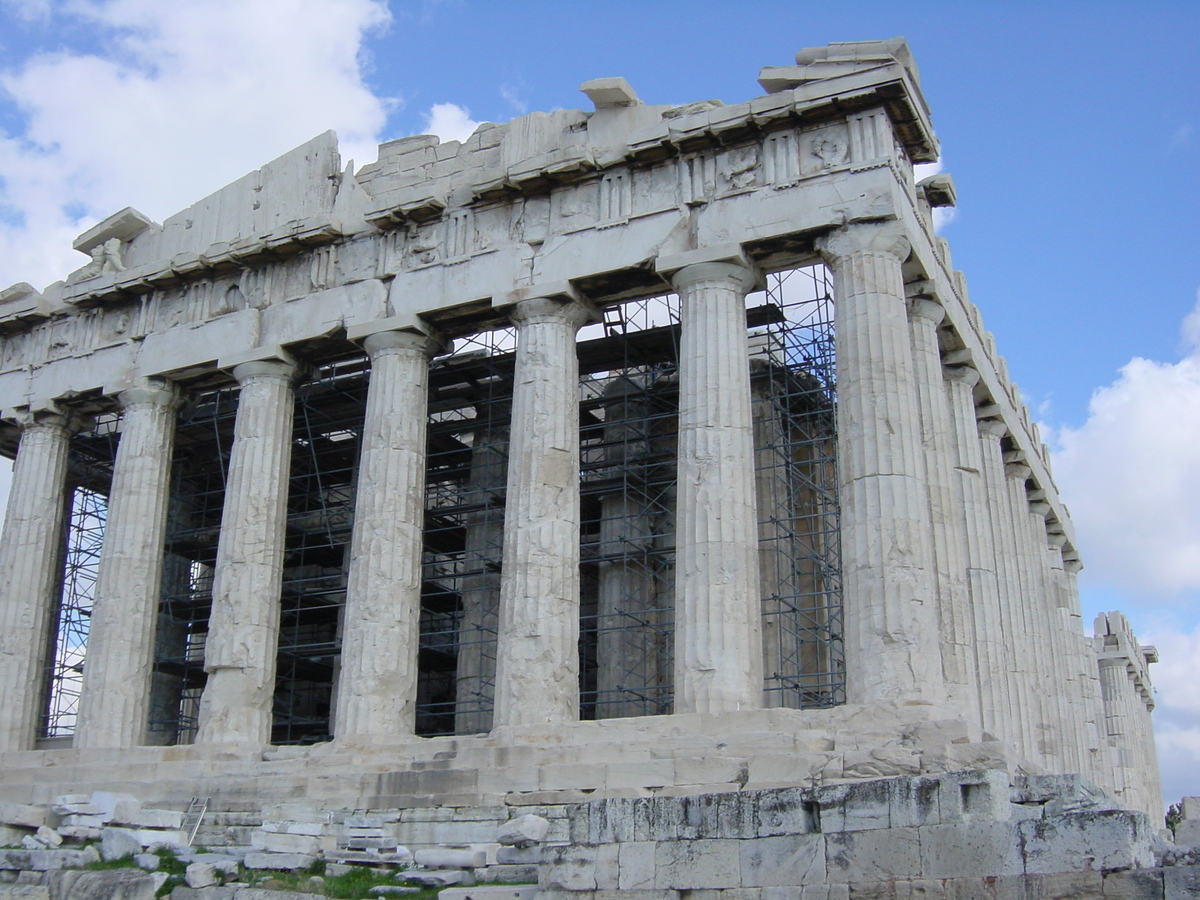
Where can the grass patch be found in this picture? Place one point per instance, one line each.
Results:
(124, 862)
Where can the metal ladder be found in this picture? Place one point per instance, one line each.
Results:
(193, 817)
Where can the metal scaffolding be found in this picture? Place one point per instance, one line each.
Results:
(628, 394)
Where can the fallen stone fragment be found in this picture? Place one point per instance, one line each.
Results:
(116, 843)
(49, 836)
(523, 831)
(200, 875)
(440, 858)
(391, 890)
(443, 878)
(148, 862)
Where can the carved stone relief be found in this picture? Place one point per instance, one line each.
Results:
(422, 245)
(576, 207)
(531, 220)
(824, 148)
(738, 169)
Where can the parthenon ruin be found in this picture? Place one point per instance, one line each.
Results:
(634, 451)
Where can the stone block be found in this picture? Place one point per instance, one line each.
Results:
(438, 879)
(148, 818)
(1181, 882)
(697, 864)
(1086, 840)
(159, 879)
(49, 837)
(47, 860)
(79, 832)
(108, 884)
(75, 805)
(1190, 807)
(441, 858)
(490, 892)
(650, 773)
(147, 862)
(807, 892)
(228, 892)
(635, 863)
(523, 831)
(11, 835)
(201, 875)
(520, 856)
(914, 802)
(74, 821)
(1187, 833)
(1134, 884)
(874, 855)
(116, 807)
(24, 892)
(261, 860)
(284, 843)
(314, 829)
(782, 860)
(23, 815)
(118, 842)
(785, 811)
(980, 848)
(574, 868)
(975, 796)
(709, 770)
(508, 874)
(861, 806)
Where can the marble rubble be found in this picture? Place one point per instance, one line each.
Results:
(495, 477)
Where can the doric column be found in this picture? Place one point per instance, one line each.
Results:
(377, 684)
(1032, 654)
(30, 572)
(994, 698)
(537, 658)
(891, 611)
(718, 615)
(946, 513)
(114, 705)
(1013, 634)
(243, 629)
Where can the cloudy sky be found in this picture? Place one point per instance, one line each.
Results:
(1072, 130)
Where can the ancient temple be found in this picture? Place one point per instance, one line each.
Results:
(630, 449)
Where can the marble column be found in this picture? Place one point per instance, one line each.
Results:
(537, 657)
(1032, 654)
(243, 629)
(114, 704)
(891, 610)
(718, 610)
(1014, 637)
(377, 684)
(946, 514)
(995, 701)
(31, 572)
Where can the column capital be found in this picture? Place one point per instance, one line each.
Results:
(1019, 471)
(266, 370)
(868, 237)
(925, 309)
(965, 375)
(742, 275)
(382, 341)
(559, 310)
(993, 428)
(66, 420)
(152, 392)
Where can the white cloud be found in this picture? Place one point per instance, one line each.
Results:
(1177, 709)
(1131, 475)
(182, 99)
(450, 122)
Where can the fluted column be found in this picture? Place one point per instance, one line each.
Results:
(982, 584)
(243, 629)
(891, 611)
(377, 683)
(537, 657)
(114, 704)
(718, 615)
(946, 514)
(30, 572)
(1014, 643)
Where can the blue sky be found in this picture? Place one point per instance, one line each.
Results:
(1072, 130)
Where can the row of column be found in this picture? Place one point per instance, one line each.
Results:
(942, 566)
(537, 665)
